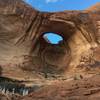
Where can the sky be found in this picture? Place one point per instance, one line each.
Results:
(53, 38)
(60, 5)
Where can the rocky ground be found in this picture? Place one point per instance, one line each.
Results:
(77, 88)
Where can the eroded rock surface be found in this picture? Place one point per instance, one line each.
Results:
(33, 69)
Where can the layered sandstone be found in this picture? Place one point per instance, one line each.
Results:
(68, 70)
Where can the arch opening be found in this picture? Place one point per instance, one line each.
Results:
(52, 38)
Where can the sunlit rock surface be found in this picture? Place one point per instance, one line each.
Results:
(31, 68)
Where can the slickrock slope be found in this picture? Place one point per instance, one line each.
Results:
(32, 68)
(95, 7)
(84, 89)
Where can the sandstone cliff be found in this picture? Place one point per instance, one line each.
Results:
(31, 68)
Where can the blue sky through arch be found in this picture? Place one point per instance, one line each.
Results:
(53, 38)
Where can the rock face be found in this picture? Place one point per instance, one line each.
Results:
(29, 64)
